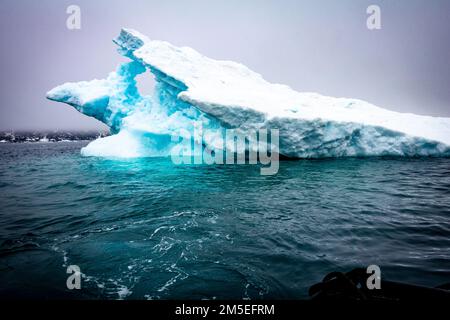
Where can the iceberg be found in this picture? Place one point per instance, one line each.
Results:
(193, 91)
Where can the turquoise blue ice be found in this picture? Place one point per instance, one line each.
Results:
(194, 91)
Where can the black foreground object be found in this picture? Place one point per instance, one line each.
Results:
(351, 286)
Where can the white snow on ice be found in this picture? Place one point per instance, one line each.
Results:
(193, 90)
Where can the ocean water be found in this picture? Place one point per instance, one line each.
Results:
(148, 229)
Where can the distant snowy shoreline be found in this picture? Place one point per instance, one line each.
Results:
(49, 136)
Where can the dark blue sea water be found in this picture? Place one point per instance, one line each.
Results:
(148, 229)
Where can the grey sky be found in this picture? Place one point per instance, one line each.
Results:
(321, 45)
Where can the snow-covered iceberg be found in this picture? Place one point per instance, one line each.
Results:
(195, 91)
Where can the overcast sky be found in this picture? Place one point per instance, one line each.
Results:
(316, 45)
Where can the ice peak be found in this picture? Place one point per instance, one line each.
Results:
(193, 89)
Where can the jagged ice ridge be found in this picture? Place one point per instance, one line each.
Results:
(195, 91)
